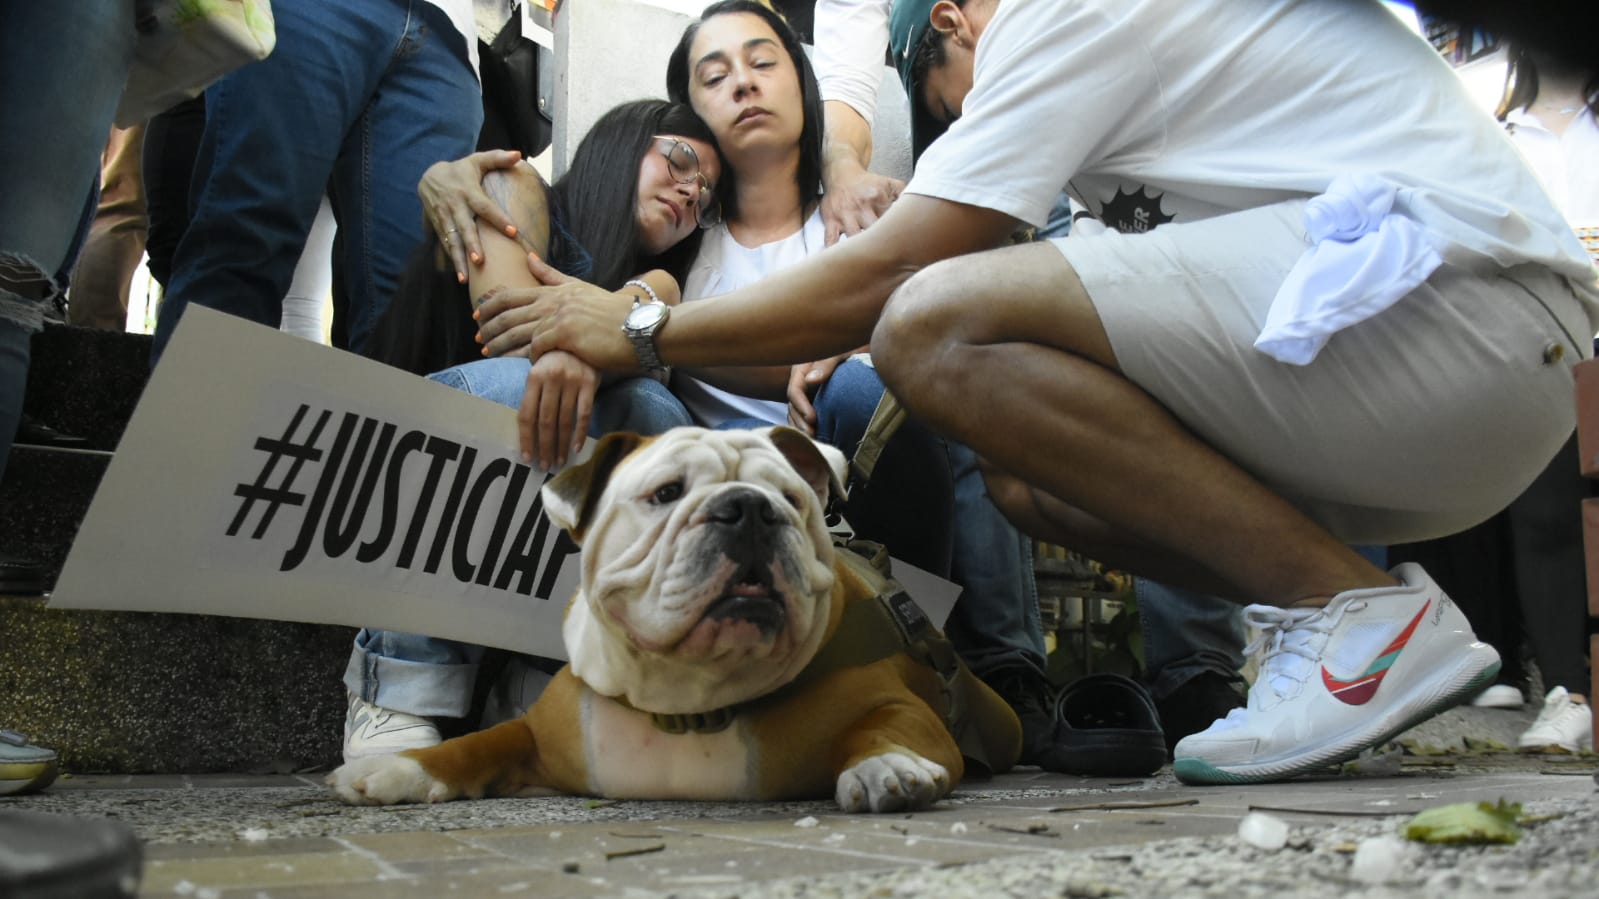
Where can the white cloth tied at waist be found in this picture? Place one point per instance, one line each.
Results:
(1363, 257)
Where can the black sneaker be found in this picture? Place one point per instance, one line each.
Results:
(1028, 692)
(1197, 704)
(50, 856)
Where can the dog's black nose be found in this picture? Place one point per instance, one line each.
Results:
(741, 508)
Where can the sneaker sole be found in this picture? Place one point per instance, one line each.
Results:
(1456, 690)
(30, 777)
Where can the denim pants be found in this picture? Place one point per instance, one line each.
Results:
(928, 504)
(62, 68)
(435, 677)
(355, 101)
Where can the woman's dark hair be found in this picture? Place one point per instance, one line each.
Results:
(428, 325)
(809, 177)
(1521, 82)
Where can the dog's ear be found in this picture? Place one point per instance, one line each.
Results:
(821, 465)
(570, 497)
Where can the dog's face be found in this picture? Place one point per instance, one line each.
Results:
(706, 566)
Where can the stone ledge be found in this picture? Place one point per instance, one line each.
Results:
(130, 692)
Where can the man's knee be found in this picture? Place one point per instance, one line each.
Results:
(918, 329)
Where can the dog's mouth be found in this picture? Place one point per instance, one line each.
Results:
(750, 598)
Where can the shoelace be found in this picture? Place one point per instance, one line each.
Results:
(1290, 643)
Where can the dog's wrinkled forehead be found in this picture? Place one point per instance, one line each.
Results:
(627, 468)
(703, 459)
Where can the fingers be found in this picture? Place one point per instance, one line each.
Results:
(527, 416)
(546, 274)
(512, 341)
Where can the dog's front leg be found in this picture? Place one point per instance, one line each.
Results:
(898, 757)
(500, 761)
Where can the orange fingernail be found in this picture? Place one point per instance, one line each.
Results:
(476, 313)
(477, 337)
(510, 230)
(477, 257)
(485, 351)
(460, 277)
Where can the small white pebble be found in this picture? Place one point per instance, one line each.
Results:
(912, 841)
(183, 888)
(515, 887)
(833, 838)
(555, 834)
(1378, 859)
(1263, 831)
(208, 893)
(958, 827)
(807, 821)
(253, 835)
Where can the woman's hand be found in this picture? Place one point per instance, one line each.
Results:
(556, 406)
(855, 198)
(803, 382)
(453, 200)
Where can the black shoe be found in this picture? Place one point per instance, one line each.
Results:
(20, 577)
(36, 433)
(1108, 728)
(1196, 704)
(50, 856)
(1029, 694)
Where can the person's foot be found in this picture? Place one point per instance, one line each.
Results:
(1336, 680)
(50, 856)
(20, 576)
(1499, 696)
(373, 730)
(1196, 704)
(1562, 724)
(24, 767)
(1029, 694)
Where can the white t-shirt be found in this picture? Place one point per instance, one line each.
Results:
(725, 265)
(851, 41)
(463, 16)
(1567, 164)
(1151, 111)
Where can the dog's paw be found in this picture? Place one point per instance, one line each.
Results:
(387, 780)
(892, 782)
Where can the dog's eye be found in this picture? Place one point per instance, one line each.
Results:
(794, 500)
(667, 493)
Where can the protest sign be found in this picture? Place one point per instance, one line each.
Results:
(265, 476)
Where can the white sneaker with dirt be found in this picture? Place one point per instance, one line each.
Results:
(374, 730)
(1337, 680)
(1563, 724)
(1499, 696)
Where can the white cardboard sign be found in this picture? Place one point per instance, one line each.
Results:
(265, 476)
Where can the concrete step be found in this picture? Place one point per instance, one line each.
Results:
(127, 692)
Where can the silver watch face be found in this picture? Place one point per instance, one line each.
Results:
(645, 316)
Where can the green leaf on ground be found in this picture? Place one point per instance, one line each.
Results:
(1466, 822)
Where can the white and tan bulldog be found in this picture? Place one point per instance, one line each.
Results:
(710, 599)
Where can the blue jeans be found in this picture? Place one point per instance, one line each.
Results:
(928, 504)
(435, 677)
(356, 100)
(62, 68)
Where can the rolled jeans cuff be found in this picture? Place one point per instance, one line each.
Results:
(418, 688)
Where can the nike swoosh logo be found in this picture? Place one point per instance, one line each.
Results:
(1361, 689)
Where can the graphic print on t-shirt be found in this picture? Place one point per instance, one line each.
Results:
(1134, 213)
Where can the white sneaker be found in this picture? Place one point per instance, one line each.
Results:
(1499, 696)
(374, 730)
(1562, 724)
(1337, 680)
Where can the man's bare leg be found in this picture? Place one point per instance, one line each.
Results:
(1004, 350)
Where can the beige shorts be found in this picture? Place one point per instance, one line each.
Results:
(1418, 422)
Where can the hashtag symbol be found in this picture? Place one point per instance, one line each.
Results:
(283, 494)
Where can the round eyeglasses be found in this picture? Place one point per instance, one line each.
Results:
(684, 166)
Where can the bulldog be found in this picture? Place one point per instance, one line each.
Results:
(719, 650)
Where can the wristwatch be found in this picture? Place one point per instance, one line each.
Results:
(642, 321)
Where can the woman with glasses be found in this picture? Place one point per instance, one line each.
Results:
(626, 216)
